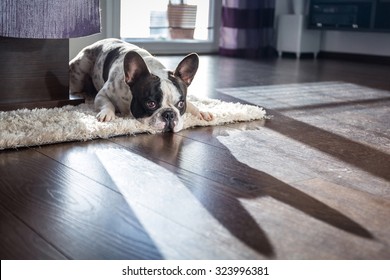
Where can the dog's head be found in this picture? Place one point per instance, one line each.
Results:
(159, 101)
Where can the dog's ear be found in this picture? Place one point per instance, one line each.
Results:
(187, 68)
(135, 67)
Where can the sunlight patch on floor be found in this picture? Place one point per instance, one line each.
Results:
(289, 160)
(161, 201)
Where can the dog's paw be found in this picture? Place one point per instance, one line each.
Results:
(105, 115)
(205, 116)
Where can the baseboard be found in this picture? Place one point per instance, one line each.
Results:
(355, 57)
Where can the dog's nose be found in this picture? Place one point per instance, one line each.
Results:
(169, 116)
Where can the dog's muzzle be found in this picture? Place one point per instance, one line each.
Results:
(169, 117)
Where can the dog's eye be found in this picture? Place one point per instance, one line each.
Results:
(151, 105)
(180, 104)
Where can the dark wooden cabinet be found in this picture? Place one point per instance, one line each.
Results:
(34, 73)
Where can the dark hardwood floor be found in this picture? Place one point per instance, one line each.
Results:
(300, 191)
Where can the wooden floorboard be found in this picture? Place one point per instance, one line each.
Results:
(312, 182)
(30, 245)
(152, 197)
(83, 219)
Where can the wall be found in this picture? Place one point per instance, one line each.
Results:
(356, 42)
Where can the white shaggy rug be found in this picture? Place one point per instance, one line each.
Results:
(25, 128)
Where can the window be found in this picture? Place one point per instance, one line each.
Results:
(175, 26)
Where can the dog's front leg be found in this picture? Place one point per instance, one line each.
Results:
(191, 108)
(105, 107)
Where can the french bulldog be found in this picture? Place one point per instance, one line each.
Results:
(130, 81)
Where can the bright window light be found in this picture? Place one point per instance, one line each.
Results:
(153, 20)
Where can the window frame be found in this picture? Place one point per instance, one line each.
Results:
(172, 46)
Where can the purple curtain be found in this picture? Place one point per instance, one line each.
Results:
(247, 28)
(49, 19)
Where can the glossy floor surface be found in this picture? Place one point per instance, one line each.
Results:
(296, 186)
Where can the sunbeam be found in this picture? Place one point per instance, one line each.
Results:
(161, 201)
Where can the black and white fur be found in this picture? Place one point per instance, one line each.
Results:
(129, 80)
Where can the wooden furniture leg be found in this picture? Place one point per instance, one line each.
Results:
(34, 73)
